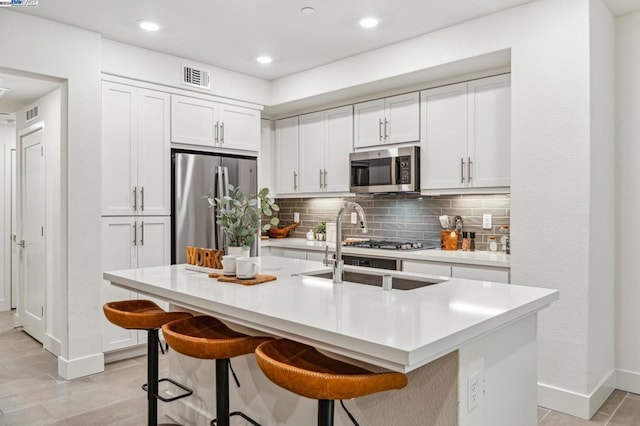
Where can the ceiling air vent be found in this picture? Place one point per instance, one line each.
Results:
(195, 77)
(32, 114)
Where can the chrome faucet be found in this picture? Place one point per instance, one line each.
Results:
(338, 263)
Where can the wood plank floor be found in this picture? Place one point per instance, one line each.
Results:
(31, 393)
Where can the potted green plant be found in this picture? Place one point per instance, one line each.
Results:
(320, 231)
(241, 217)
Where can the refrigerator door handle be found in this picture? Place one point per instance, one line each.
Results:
(225, 175)
(221, 192)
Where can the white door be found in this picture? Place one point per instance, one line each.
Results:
(118, 252)
(402, 118)
(368, 123)
(15, 249)
(193, 121)
(444, 137)
(153, 153)
(239, 128)
(154, 249)
(312, 152)
(32, 220)
(287, 179)
(339, 144)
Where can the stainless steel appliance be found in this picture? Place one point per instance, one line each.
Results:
(196, 175)
(385, 170)
(373, 262)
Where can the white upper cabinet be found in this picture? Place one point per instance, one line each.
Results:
(466, 135)
(202, 122)
(326, 139)
(135, 151)
(387, 121)
(286, 156)
(489, 132)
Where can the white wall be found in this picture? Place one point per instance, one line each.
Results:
(145, 65)
(50, 109)
(74, 55)
(7, 141)
(557, 142)
(628, 202)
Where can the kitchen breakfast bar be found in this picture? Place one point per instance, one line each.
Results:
(454, 339)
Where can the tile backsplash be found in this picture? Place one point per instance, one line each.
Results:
(403, 217)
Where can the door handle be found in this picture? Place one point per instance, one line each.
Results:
(469, 169)
(295, 180)
(320, 178)
(386, 133)
(215, 138)
(135, 198)
(142, 233)
(325, 178)
(135, 233)
(461, 170)
(379, 129)
(222, 132)
(142, 198)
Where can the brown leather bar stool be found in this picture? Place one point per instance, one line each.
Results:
(206, 337)
(304, 370)
(146, 315)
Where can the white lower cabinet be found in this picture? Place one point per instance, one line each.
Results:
(293, 253)
(131, 242)
(471, 272)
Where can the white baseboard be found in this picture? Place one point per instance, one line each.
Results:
(127, 353)
(574, 403)
(628, 381)
(70, 369)
(51, 344)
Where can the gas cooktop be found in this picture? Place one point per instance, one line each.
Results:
(387, 245)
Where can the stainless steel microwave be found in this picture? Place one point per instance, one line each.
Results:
(385, 170)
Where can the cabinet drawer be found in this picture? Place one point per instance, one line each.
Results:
(430, 268)
(482, 273)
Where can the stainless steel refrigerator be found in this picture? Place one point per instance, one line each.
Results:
(196, 175)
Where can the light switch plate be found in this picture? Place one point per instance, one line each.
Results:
(296, 217)
(354, 217)
(486, 221)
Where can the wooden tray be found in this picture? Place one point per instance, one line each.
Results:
(258, 279)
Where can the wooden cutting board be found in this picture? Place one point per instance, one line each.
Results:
(258, 279)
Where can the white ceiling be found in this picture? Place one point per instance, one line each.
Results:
(231, 33)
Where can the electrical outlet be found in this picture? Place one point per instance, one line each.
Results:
(473, 391)
(296, 217)
(354, 218)
(486, 221)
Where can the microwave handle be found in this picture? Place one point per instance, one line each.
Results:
(395, 170)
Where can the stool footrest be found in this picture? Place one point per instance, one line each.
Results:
(173, 382)
(214, 422)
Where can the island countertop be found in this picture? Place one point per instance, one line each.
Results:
(398, 330)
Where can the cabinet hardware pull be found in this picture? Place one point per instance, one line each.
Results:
(379, 129)
(320, 178)
(295, 181)
(135, 198)
(461, 170)
(135, 233)
(142, 233)
(222, 133)
(325, 178)
(142, 198)
(386, 133)
(469, 170)
(216, 136)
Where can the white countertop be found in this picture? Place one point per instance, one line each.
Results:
(481, 258)
(398, 330)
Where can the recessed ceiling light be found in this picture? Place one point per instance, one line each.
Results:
(148, 25)
(263, 59)
(369, 22)
(307, 10)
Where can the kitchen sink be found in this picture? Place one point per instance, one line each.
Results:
(375, 279)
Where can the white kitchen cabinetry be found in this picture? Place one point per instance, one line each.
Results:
(325, 142)
(127, 243)
(466, 135)
(135, 151)
(213, 124)
(286, 161)
(471, 272)
(387, 121)
(266, 163)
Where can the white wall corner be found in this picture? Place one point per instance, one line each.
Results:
(70, 369)
(574, 403)
(52, 344)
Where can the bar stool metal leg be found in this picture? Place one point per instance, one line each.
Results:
(325, 412)
(152, 376)
(222, 396)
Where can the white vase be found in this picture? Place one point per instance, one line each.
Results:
(240, 251)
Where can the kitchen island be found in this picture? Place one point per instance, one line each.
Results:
(441, 335)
